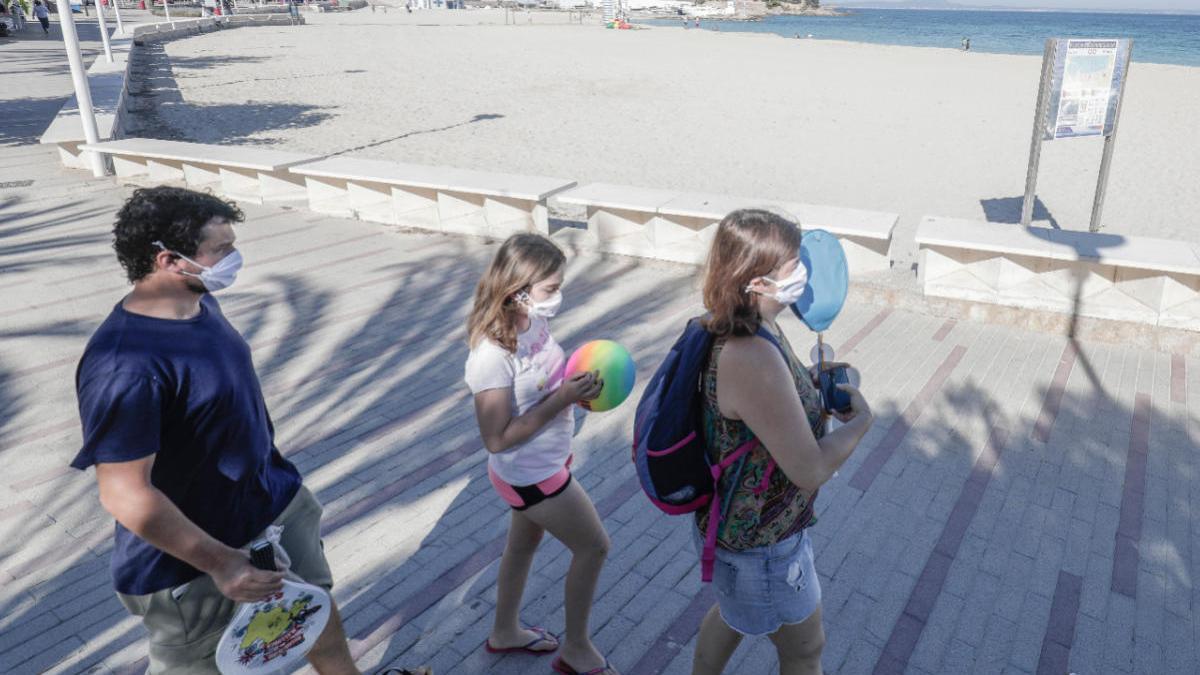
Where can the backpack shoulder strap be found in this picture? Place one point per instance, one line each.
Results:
(770, 337)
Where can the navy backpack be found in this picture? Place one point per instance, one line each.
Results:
(669, 449)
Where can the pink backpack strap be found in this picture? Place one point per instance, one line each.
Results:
(708, 556)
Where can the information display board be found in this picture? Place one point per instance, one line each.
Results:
(1085, 87)
(1079, 95)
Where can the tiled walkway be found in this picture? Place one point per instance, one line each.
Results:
(1023, 503)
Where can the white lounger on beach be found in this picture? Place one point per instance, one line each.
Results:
(240, 172)
(1107, 276)
(430, 197)
(678, 226)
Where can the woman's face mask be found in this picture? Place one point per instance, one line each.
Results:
(215, 278)
(791, 288)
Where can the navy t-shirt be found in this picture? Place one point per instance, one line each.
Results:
(186, 392)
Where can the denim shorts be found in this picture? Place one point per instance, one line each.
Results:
(760, 589)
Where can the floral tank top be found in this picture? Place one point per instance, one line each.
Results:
(780, 511)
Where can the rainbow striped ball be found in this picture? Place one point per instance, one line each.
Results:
(616, 369)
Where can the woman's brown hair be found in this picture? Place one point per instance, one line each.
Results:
(523, 260)
(749, 243)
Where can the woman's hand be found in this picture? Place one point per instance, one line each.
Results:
(858, 407)
(583, 386)
(827, 365)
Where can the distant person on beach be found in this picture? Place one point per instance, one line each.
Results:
(966, 44)
(43, 15)
(764, 580)
(177, 430)
(697, 22)
(685, 23)
(526, 414)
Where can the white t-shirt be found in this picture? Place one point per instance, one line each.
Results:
(531, 374)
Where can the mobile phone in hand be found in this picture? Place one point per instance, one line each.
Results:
(836, 400)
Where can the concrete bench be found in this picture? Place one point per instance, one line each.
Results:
(239, 172)
(429, 197)
(107, 85)
(176, 28)
(1106, 276)
(679, 226)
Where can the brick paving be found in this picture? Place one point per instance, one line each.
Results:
(1024, 503)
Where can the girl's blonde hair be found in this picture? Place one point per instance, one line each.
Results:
(522, 261)
(749, 243)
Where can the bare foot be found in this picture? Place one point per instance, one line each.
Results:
(528, 639)
(584, 658)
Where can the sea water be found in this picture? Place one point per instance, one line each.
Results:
(1158, 38)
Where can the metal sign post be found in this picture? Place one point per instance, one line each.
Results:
(1081, 93)
(1039, 125)
(83, 95)
(1109, 141)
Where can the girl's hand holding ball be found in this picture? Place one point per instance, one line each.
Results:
(582, 386)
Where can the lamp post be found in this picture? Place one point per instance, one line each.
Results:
(103, 30)
(117, 12)
(83, 95)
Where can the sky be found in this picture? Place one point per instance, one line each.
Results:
(1135, 5)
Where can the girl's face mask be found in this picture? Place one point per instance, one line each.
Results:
(215, 278)
(546, 308)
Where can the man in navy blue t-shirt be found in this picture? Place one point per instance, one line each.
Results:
(175, 423)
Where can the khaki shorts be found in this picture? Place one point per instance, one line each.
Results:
(185, 623)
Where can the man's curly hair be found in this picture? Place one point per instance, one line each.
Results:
(174, 216)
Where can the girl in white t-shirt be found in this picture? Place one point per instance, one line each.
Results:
(526, 417)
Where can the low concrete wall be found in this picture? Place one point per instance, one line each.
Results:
(109, 82)
(173, 30)
(1079, 274)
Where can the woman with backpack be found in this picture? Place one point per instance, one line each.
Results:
(525, 411)
(755, 390)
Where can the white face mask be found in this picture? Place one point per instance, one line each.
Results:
(545, 309)
(215, 278)
(789, 290)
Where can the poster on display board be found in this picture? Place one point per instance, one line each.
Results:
(1085, 87)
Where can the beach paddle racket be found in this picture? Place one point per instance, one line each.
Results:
(274, 634)
(828, 280)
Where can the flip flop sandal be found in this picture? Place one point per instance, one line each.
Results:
(563, 667)
(543, 635)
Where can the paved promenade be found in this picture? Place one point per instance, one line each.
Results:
(1024, 504)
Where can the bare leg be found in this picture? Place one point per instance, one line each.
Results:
(714, 645)
(799, 646)
(331, 655)
(572, 519)
(523, 538)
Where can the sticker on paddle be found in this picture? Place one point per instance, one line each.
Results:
(273, 635)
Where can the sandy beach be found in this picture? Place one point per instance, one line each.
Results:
(911, 130)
